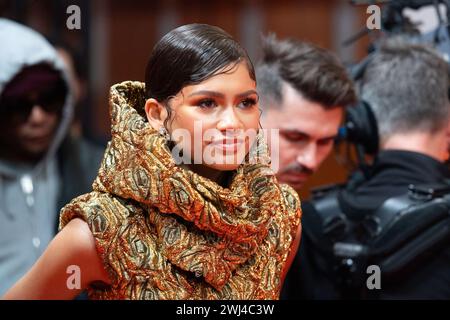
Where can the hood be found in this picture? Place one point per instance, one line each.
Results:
(22, 47)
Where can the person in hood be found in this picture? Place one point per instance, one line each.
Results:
(41, 167)
(159, 226)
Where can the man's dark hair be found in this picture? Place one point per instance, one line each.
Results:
(314, 72)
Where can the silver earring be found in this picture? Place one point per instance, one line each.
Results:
(163, 132)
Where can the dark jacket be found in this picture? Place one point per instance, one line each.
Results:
(311, 275)
(78, 162)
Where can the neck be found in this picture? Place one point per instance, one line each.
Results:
(434, 145)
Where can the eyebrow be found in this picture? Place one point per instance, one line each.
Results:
(295, 131)
(330, 137)
(221, 95)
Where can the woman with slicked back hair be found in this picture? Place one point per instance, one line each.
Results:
(207, 220)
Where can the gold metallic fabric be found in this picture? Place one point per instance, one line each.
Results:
(165, 232)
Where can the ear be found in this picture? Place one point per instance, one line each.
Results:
(156, 113)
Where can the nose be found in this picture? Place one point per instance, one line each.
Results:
(37, 115)
(229, 120)
(308, 157)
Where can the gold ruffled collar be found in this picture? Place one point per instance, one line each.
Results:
(201, 227)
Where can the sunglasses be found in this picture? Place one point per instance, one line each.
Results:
(21, 108)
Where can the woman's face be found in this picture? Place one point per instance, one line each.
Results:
(216, 120)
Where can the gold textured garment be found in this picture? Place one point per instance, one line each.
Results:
(165, 232)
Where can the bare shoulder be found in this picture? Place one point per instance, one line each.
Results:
(78, 231)
(73, 249)
(78, 238)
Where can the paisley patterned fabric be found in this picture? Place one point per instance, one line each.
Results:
(165, 232)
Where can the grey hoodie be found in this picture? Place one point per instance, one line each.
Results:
(28, 194)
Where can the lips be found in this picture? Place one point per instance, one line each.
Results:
(38, 138)
(228, 144)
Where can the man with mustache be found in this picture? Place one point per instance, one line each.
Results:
(395, 217)
(304, 90)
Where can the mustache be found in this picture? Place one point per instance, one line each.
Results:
(297, 168)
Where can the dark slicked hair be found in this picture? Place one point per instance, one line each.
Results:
(188, 55)
(314, 72)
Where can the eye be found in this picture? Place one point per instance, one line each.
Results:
(207, 104)
(247, 103)
(294, 136)
(325, 142)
